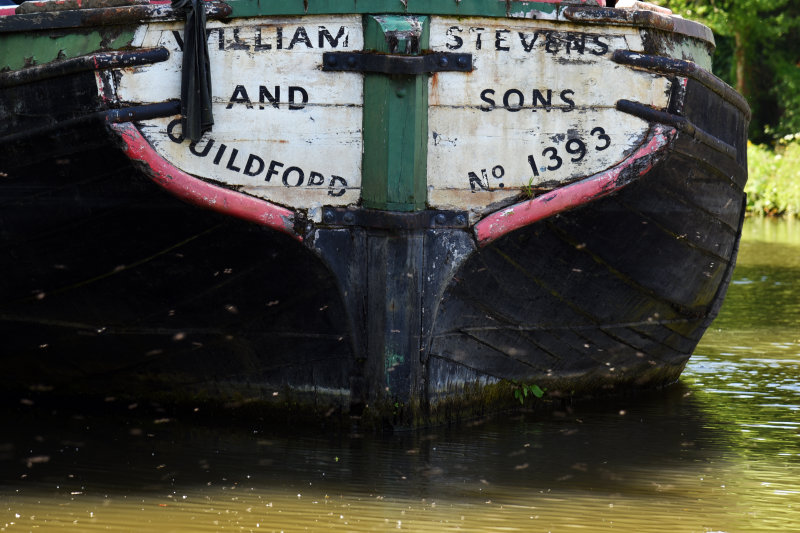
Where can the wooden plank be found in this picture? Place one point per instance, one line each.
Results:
(471, 352)
(284, 130)
(496, 8)
(395, 119)
(537, 111)
(34, 48)
(301, 7)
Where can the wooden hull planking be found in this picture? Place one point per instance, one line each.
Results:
(408, 249)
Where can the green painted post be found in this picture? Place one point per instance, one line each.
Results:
(395, 118)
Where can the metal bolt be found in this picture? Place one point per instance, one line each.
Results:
(443, 62)
(349, 217)
(328, 217)
(460, 220)
(440, 219)
(331, 60)
(351, 61)
(462, 61)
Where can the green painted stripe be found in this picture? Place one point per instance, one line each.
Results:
(395, 123)
(487, 8)
(24, 49)
(18, 49)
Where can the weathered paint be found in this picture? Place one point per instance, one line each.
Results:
(44, 6)
(490, 134)
(425, 327)
(395, 118)
(524, 213)
(697, 51)
(641, 19)
(102, 17)
(200, 193)
(25, 49)
(680, 67)
(497, 8)
(537, 112)
(97, 61)
(304, 148)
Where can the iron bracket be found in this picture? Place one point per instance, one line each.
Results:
(394, 220)
(396, 63)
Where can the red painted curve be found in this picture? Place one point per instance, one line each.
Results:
(199, 192)
(576, 194)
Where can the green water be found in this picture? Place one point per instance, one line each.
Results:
(720, 451)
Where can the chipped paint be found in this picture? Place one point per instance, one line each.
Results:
(499, 131)
(494, 134)
(284, 130)
(30, 48)
(694, 50)
(198, 192)
(576, 194)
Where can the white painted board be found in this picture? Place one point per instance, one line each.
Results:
(537, 111)
(283, 129)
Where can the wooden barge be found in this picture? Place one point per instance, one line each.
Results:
(398, 210)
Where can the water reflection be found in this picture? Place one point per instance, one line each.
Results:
(589, 465)
(718, 452)
(747, 372)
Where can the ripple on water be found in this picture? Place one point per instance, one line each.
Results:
(720, 451)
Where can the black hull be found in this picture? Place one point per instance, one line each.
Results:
(111, 287)
(603, 297)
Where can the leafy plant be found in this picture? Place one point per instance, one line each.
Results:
(773, 185)
(523, 389)
(759, 54)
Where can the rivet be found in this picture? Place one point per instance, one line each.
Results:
(462, 61)
(460, 220)
(441, 219)
(351, 61)
(328, 217)
(443, 61)
(349, 217)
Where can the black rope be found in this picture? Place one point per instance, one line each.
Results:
(195, 72)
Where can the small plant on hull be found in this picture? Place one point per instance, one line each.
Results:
(527, 190)
(522, 391)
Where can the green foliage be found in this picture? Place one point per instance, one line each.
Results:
(759, 54)
(773, 186)
(522, 390)
(786, 91)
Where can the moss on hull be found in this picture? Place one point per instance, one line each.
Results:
(330, 409)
